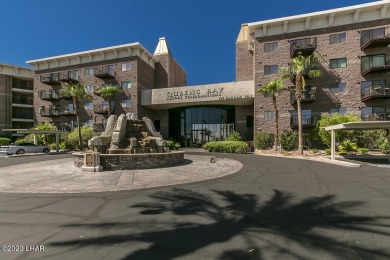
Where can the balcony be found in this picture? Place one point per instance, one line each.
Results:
(50, 112)
(374, 38)
(22, 100)
(64, 127)
(374, 64)
(62, 96)
(305, 73)
(51, 78)
(99, 109)
(96, 90)
(375, 117)
(308, 95)
(50, 95)
(69, 76)
(104, 72)
(64, 111)
(375, 90)
(307, 121)
(22, 115)
(305, 46)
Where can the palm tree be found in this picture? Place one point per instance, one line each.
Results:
(301, 65)
(109, 92)
(273, 88)
(77, 92)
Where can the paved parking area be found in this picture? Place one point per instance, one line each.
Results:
(273, 208)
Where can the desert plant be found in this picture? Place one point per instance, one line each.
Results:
(289, 140)
(234, 136)
(313, 150)
(47, 138)
(300, 65)
(273, 88)
(262, 140)
(72, 139)
(362, 150)
(383, 144)
(347, 146)
(109, 92)
(328, 151)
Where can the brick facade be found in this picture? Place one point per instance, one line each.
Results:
(325, 98)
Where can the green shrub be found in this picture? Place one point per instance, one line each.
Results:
(226, 146)
(328, 151)
(362, 150)
(334, 119)
(383, 144)
(234, 136)
(173, 145)
(369, 138)
(4, 141)
(313, 150)
(342, 153)
(262, 140)
(289, 140)
(29, 139)
(347, 146)
(72, 140)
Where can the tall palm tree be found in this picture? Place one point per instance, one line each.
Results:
(109, 92)
(273, 88)
(300, 66)
(77, 92)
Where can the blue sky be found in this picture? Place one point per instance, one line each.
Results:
(200, 33)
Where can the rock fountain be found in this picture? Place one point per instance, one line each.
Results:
(128, 143)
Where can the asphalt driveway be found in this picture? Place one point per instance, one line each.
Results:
(273, 208)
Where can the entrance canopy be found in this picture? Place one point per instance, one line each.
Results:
(35, 132)
(367, 125)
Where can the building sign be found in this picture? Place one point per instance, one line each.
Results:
(194, 94)
(236, 97)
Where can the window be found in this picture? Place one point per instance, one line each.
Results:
(270, 47)
(89, 71)
(270, 69)
(70, 107)
(88, 105)
(338, 38)
(126, 103)
(269, 115)
(89, 88)
(105, 104)
(373, 113)
(89, 122)
(340, 110)
(126, 66)
(338, 87)
(73, 74)
(126, 85)
(338, 63)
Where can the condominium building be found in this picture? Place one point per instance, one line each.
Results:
(129, 67)
(16, 98)
(352, 45)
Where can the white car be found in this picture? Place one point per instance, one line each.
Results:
(24, 148)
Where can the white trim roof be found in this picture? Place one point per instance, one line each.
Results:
(14, 70)
(118, 51)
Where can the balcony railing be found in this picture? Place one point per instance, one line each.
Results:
(307, 121)
(51, 78)
(305, 46)
(22, 100)
(69, 76)
(377, 90)
(305, 73)
(308, 95)
(65, 127)
(50, 112)
(374, 63)
(62, 96)
(374, 38)
(99, 109)
(49, 95)
(64, 111)
(104, 72)
(375, 117)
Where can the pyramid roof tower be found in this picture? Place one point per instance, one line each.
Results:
(162, 47)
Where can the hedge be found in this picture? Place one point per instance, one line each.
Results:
(4, 141)
(226, 146)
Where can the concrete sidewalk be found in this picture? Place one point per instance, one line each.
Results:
(60, 176)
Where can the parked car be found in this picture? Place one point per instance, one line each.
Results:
(24, 148)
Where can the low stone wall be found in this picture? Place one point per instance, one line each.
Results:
(115, 162)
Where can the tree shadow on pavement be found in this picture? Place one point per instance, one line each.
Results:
(179, 222)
